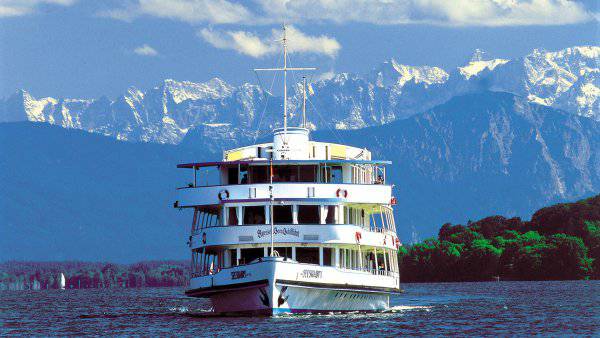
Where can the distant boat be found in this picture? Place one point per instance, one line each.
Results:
(61, 281)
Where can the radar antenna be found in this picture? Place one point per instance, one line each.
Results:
(285, 69)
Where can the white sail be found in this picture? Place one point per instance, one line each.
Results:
(61, 281)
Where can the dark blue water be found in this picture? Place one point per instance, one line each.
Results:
(473, 309)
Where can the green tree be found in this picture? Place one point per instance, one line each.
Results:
(566, 258)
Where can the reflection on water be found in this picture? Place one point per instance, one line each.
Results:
(504, 308)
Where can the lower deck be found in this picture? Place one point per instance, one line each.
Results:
(278, 285)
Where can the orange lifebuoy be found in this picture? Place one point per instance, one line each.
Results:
(223, 194)
(341, 192)
(393, 201)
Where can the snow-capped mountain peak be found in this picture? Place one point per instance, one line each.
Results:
(478, 64)
(186, 90)
(391, 73)
(568, 79)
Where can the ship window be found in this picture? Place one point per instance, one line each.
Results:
(244, 175)
(307, 255)
(284, 251)
(377, 221)
(307, 173)
(328, 258)
(308, 214)
(258, 174)
(254, 215)
(282, 214)
(232, 216)
(232, 175)
(248, 255)
(337, 175)
(330, 218)
(285, 173)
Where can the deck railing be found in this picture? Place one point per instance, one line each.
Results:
(378, 272)
(199, 231)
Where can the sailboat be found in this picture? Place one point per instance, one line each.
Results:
(61, 281)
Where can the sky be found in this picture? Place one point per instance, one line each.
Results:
(88, 49)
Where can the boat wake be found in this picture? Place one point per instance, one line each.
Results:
(404, 308)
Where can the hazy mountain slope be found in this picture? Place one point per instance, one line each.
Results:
(482, 154)
(68, 194)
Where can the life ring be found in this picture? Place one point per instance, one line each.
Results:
(393, 201)
(204, 238)
(357, 236)
(341, 193)
(223, 194)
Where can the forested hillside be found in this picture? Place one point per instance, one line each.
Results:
(559, 242)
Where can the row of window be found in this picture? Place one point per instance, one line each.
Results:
(244, 174)
(381, 219)
(213, 260)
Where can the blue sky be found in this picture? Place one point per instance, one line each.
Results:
(85, 49)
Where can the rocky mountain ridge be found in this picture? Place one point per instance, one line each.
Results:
(568, 79)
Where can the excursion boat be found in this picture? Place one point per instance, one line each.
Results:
(292, 226)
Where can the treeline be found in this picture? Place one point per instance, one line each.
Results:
(82, 275)
(560, 242)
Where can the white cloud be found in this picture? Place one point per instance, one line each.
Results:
(10, 8)
(190, 11)
(240, 41)
(145, 50)
(436, 12)
(252, 45)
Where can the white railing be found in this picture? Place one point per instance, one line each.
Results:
(350, 193)
(378, 272)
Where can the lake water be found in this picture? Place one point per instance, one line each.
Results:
(473, 309)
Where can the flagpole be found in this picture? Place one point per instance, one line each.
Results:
(271, 204)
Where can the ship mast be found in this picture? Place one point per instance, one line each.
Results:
(285, 69)
(304, 102)
(284, 81)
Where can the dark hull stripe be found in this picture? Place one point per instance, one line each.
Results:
(208, 291)
(344, 287)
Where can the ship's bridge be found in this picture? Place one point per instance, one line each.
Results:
(294, 144)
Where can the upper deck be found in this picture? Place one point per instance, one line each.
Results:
(295, 145)
(290, 158)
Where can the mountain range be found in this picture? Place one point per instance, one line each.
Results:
(70, 194)
(567, 79)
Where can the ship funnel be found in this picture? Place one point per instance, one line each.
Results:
(290, 144)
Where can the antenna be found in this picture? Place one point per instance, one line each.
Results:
(304, 102)
(285, 69)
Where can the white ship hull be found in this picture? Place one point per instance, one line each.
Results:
(275, 286)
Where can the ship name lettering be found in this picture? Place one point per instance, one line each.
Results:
(278, 231)
(312, 274)
(238, 274)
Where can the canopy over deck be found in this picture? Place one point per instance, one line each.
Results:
(279, 162)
